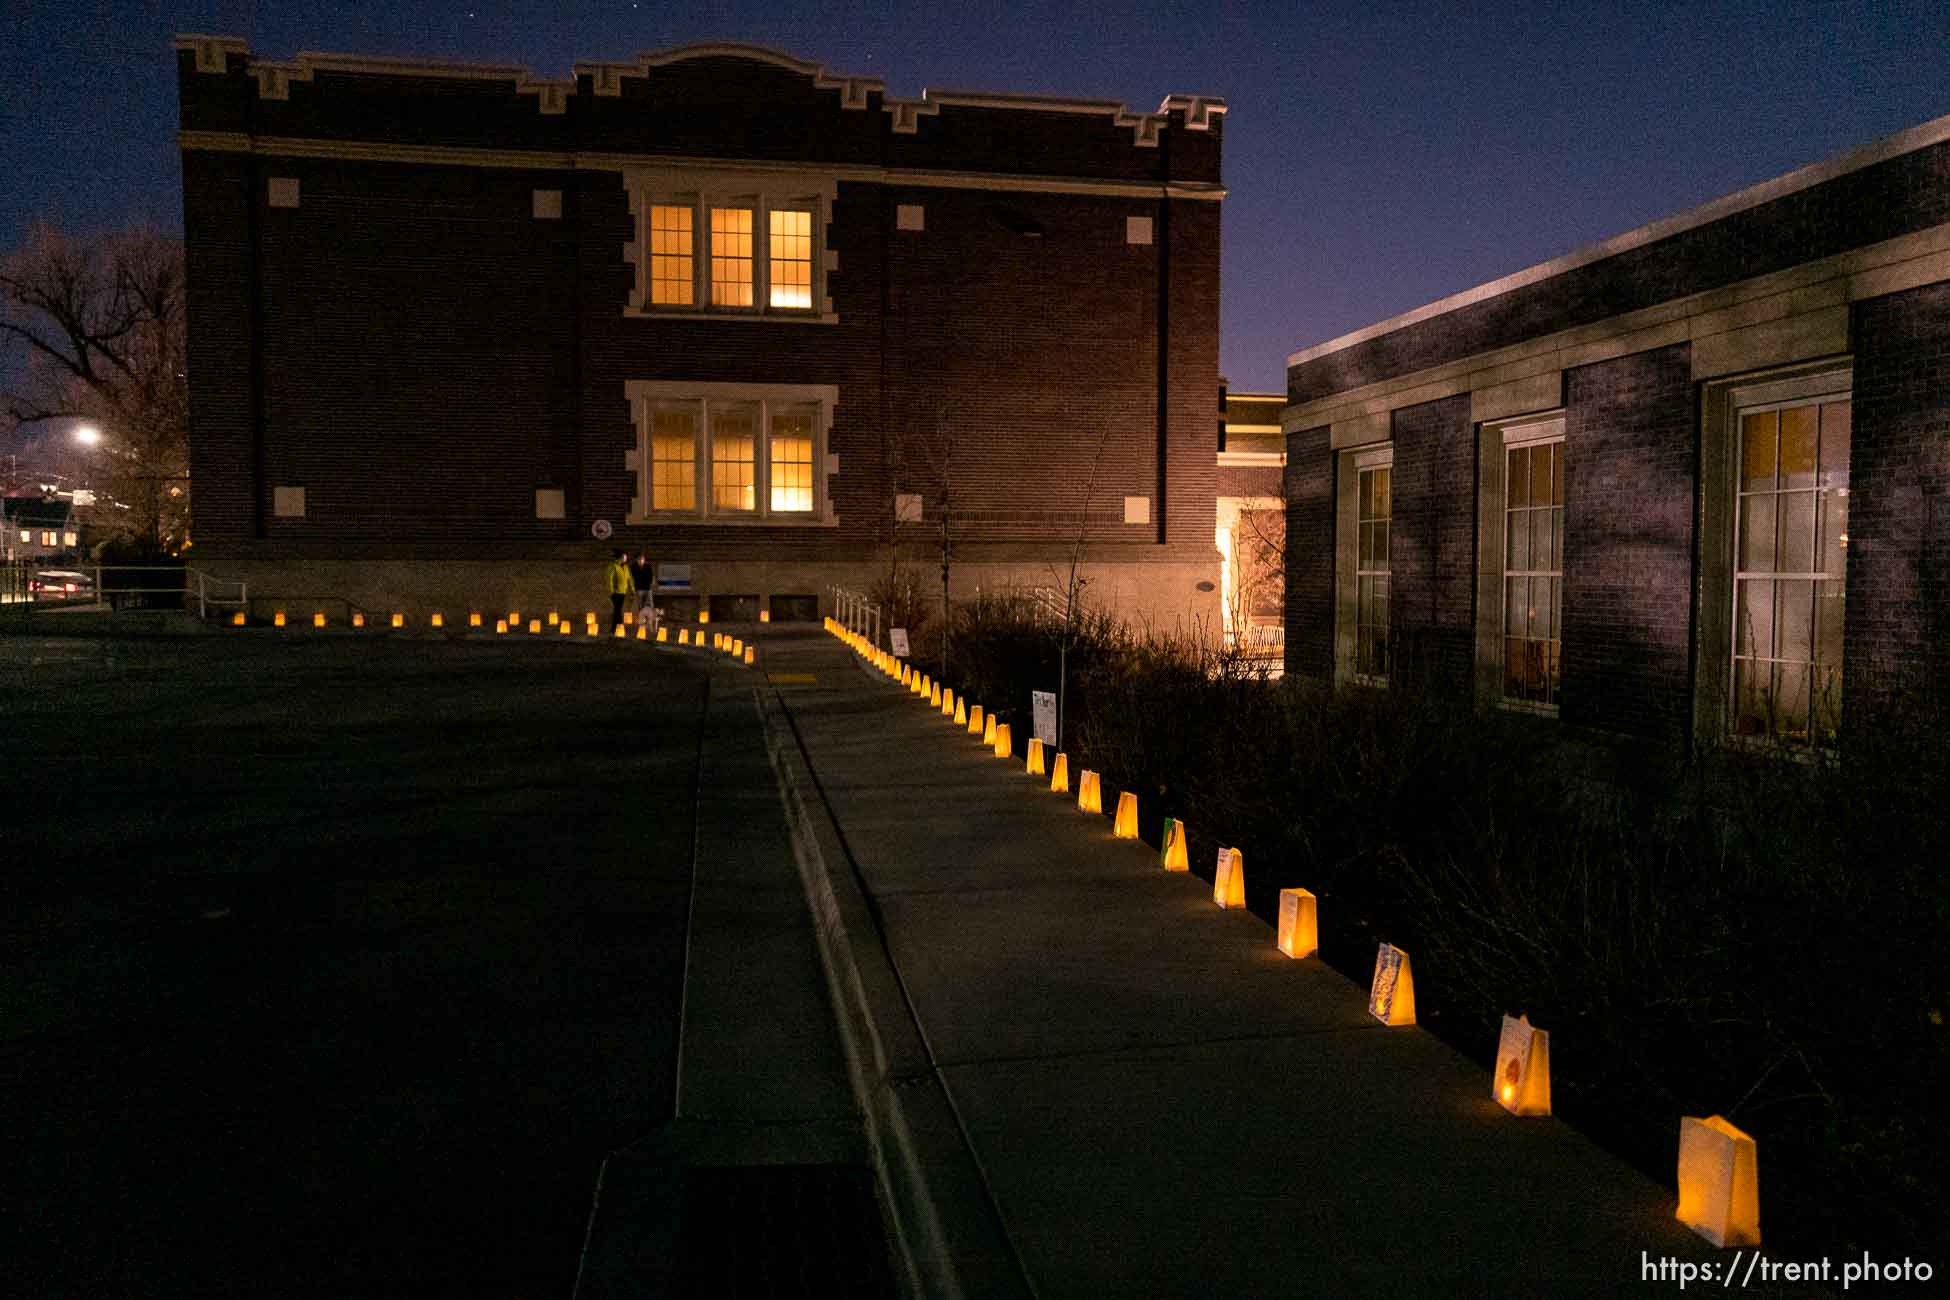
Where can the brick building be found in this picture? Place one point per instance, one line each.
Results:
(1690, 481)
(1251, 523)
(455, 330)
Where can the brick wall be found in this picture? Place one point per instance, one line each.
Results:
(1891, 198)
(431, 353)
(1898, 612)
(1309, 488)
(1631, 458)
(1432, 556)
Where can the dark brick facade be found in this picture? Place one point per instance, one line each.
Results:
(1640, 652)
(1903, 194)
(1309, 490)
(1631, 460)
(421, 352)
(1432, 554)
(1898, 613)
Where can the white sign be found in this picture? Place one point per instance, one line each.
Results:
(601, 530)
(899, 637)
(674, 575)
(1042, 708)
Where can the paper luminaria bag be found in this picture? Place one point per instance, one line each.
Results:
(1229, 880)
(1171, 848)
(1719, 1182)
(1391, 999)
(1125, 827)
(1523, 1068)
(1090, 792)
(1299, 933)
(1059, 774)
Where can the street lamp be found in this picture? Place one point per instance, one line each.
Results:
(87, 435)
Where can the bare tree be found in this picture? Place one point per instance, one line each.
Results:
(92, 327)
(1073, 585)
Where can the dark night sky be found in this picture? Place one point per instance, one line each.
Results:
(1379, 155)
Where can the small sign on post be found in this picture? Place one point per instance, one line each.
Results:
(1042, 709)
(899, 637)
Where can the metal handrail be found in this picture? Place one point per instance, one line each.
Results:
(856, 613)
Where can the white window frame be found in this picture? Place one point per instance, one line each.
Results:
(1725, 402)
(761, 193)
(1512, 434)
(1347, 622)
(646, 396)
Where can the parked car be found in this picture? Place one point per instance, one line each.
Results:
(61, 584)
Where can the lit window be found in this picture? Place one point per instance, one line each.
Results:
(726, 450)
(792, 459)
(734, 451)
(1791, 466)
(672, 261)
(26, 534)
(1533, 569)
(47, 537)
(791, 259)
(67, 539)
(1371, 576)
(673, 458)
(731, 257)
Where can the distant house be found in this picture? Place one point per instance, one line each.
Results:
(1251, 519)
(39, 529)
(458, 330)
(1692, 481)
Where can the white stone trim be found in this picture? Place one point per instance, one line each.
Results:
(281, 191)
(1893, 146)
(1137, 230)
(274, 78)
(910, 216)
(570, 160)
(548, 205)
(1137, 510)
(1252, 459)
(550, 503)
(288, 502)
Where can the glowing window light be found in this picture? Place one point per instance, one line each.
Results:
(731, 257)
(671, 255)
(791, 258)
(704, 616)
(765, 616)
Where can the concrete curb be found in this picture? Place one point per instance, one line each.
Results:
(952, 1244)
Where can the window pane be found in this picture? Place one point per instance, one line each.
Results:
(1797, 519)
(791, 466)
(1366, 560)
(1757, 535)
(1370, 482)
(1381, 546)
(1513, 668)
(671, 255)
(1793, 610)
(1753, 617)
(1757, 433)
(1514, 622)
(1798, 447)
(791, 259)
(1557, 533)
(673, 459)
(1557, 473)
(1382, 509)
(734, 444)
(1752, 689)
(1540, 476)
(1517, 480)
(1556, 607)
(1834, 444)
(731, 257)
(1831, 533)
(1791, 701)
(1827, 678)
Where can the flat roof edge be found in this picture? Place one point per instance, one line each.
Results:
(1902, 142)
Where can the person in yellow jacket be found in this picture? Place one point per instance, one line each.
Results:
(621, 587)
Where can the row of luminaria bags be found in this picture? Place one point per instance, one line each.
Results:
(1718, 1184)
(555, 623)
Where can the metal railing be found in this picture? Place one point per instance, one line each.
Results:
(1044, 602)
(49, 587)
(856, 613)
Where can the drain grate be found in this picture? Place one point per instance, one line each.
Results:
(782, 1230)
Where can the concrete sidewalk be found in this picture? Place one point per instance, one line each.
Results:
(1083, 1078)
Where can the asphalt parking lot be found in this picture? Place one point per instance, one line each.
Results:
(332, 967)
